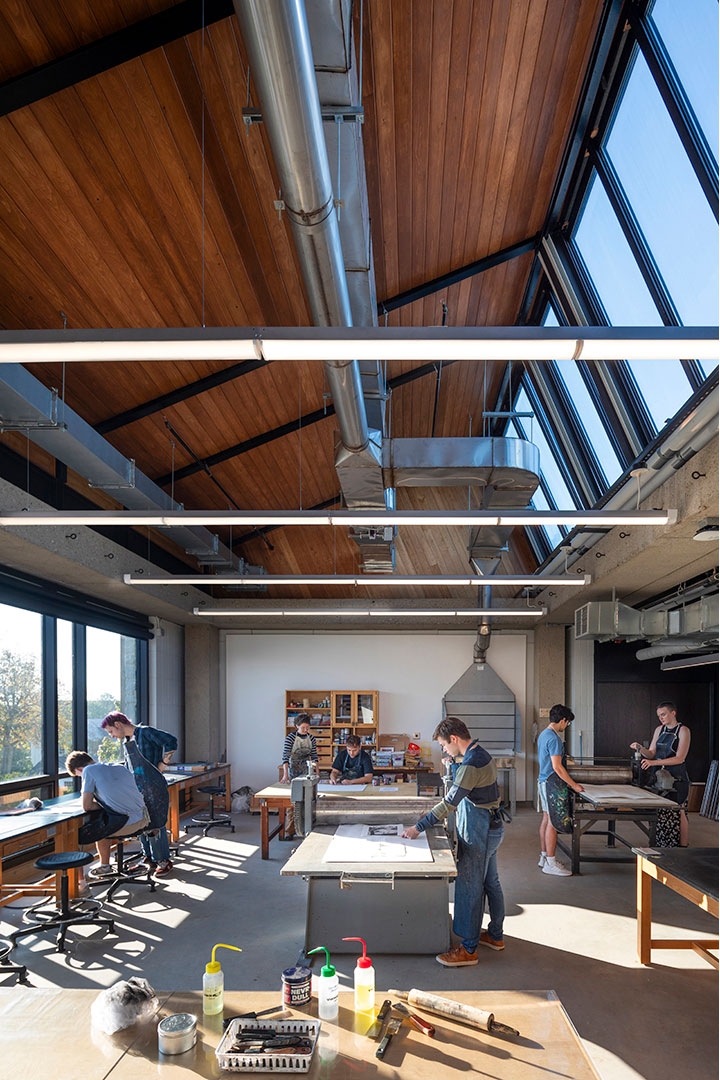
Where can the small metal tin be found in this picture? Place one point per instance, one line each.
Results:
(177, 1033)
(296, 985)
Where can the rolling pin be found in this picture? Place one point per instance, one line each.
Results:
(466, 1014)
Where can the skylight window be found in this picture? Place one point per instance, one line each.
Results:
(666, 197)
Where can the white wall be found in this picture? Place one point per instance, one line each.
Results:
(411, 671)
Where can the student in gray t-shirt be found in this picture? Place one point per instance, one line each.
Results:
(109, 787)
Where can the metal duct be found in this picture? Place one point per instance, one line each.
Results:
(680, 630)
(676, 647)
(278, 44)
(26, 405)
(487, 706)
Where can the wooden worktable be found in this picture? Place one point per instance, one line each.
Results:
(691, 872)
(49, 1032)
(58, 820)
(185, 782)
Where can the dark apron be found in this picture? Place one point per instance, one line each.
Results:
(300, 754)
(352, 768)
(666, 747)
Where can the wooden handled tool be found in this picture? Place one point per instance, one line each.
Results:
(415, 1020)
(466, 1014)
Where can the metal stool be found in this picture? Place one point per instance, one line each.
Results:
(211, 821)
(65, 916)
(9, 966)
(123, 874)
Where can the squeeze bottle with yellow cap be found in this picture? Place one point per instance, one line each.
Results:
(214, 983)
(328, 988)
(364, 980)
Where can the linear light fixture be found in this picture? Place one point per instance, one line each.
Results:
(387, 613)
(368, 519)
(690, 661)
(362, 343)
(515, 580)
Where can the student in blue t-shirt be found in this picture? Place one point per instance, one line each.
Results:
(551, 750)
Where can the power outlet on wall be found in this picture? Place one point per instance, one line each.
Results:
(416, 734)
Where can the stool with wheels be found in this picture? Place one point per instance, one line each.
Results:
(124, 874)
(66, 915)
(213, 820)
(9, 966)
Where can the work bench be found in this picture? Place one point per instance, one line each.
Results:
(52, 1026)
(613, 804)
(58, 821)
(691, 872)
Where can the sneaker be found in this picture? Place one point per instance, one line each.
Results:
(164, 868)
(491, 943)
(556, 868)
(542, 860)
(104, 870)
(457, 957)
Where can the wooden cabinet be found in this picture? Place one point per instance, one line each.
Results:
(335, 714)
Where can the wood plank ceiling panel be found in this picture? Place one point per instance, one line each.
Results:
(463, 134)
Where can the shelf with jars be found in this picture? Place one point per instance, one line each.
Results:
(335, 714)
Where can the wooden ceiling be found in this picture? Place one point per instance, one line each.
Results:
(137, 197)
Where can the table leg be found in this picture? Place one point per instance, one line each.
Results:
(173, 825)
(264, 831)
(576, 834)
(513, 792)
(644, 913)
(611, 832)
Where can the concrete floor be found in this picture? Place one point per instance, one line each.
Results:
(573, 935)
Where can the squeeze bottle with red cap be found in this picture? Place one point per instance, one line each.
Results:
(364, 980)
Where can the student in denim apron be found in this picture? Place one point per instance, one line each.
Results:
(475, 798)
(352, 765)
(670, 745)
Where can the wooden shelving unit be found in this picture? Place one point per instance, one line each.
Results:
(334, 714)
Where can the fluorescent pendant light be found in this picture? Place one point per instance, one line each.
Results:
(437, 613)
(368, 519)
(362, 343)
(515, 580)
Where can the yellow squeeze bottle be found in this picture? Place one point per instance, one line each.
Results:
(214, 983)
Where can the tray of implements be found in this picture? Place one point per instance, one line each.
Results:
(280, 1046)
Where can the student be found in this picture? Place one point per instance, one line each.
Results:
(551, 754)
(108, 787)
(669, 748)
(352, 765)
(158, 747)
(475, 798)
(299, 748)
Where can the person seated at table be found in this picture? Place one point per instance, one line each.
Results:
(352, 765)
(669, 749)
(112, 788)
(158, 747)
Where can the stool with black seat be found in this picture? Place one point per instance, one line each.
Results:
(7, 966)
(125, 874)
(212, 820)
(85, 912)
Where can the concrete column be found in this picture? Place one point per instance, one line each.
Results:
(204, 724)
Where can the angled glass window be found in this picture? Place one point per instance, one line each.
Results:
(690, 35)
(589, 418)
(611, 264)
(667, 199)
(664, 387)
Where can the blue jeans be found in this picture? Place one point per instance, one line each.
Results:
(477, 877)
(156, 847)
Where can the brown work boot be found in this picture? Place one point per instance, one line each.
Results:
(457, 957)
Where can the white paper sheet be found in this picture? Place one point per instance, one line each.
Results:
(375, 843)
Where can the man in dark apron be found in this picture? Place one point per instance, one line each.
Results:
(352, 765)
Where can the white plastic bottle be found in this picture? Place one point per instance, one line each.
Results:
(364, 980)
(213, 983)
(328, 988)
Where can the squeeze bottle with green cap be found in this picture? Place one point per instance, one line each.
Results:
(328, 987)
(364, 980)
(214, 983)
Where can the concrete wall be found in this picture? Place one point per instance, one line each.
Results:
(166, 662)
(411, 671)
